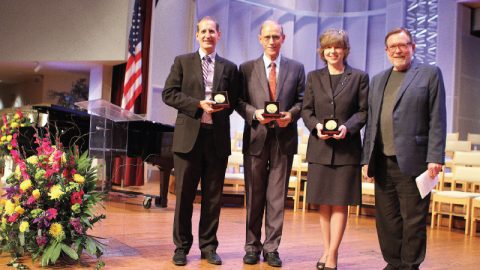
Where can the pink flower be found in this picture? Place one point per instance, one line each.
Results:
(31, 200)
(51, 213)
(76, 197)
(13, 217)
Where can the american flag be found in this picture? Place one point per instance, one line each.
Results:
(132, 86)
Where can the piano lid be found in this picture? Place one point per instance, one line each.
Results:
(105, 109)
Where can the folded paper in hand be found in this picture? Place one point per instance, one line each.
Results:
(425, 183)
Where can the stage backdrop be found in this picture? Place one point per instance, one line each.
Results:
(366, 21)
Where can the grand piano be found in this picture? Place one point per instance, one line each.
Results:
(107, 131)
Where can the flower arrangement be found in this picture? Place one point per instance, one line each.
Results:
(50, 204)
(9, 131)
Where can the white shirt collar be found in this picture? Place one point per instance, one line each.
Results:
(203, 54)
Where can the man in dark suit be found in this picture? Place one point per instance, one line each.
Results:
(201, 141)
(269, 144)
(405, 136)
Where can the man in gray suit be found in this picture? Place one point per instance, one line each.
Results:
(269, 144)
(201, 141)
(405, 136)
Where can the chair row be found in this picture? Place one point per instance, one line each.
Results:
(452, 204)
(461, 172)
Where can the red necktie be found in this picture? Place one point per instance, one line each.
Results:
(272, 81)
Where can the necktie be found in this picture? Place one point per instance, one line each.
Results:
(272, 81)
(206, 68)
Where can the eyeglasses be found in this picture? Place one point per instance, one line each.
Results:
(273, 37)
(401, 46)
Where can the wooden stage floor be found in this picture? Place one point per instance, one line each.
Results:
(139, 238)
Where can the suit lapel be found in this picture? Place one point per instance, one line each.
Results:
(343, 81)
(378, 95)
(217, 73)
(412, 71)
(325, 81)
(282, 76)
(259, 68)
(197, 63)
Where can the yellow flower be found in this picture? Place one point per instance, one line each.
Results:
(55, 192)
(78, 178)
(51, 158)
(36, 193)
(19, 209)
(26, 184)
(32, 160)
(14, 125)
(24, 226)
(64, 158)
(16, 116)
(18, 173)
(3, 201)
(9, 138)
(9, 207)
(16, 198)
(9, 147)
(3, 138)
(56, 230)
(4, 220)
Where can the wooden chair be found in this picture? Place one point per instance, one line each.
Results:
(475, 216)
(234, 182)
(237, 141)
(469, 159)
(452, 136)
(299, 170)
(467, 177)
(451, 203)
(368, 192)
(450, 148)
(474, 138)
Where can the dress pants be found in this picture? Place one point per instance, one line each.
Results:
(266, 182)
(401, 215)
(202, 164)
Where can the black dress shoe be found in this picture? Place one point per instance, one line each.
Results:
(273, 259)
(180, 257)
(212, 257)
(251, 257)
(320, 265)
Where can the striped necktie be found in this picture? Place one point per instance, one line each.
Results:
(206, 63)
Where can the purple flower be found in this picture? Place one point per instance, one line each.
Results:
(77, 226)
(41, 240)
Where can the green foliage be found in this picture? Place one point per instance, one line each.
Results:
(50, 205)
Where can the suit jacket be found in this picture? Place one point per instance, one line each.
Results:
(184, 89)
(347, 103)
(290, 88)
(419, 119)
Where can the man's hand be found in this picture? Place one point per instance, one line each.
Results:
(206, 106)
(342, 134)
(365, 173)
(260, 118)
(319, 128)
(434, 169)
(285, 119)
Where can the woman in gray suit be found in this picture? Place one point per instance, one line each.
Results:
(335, 96)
